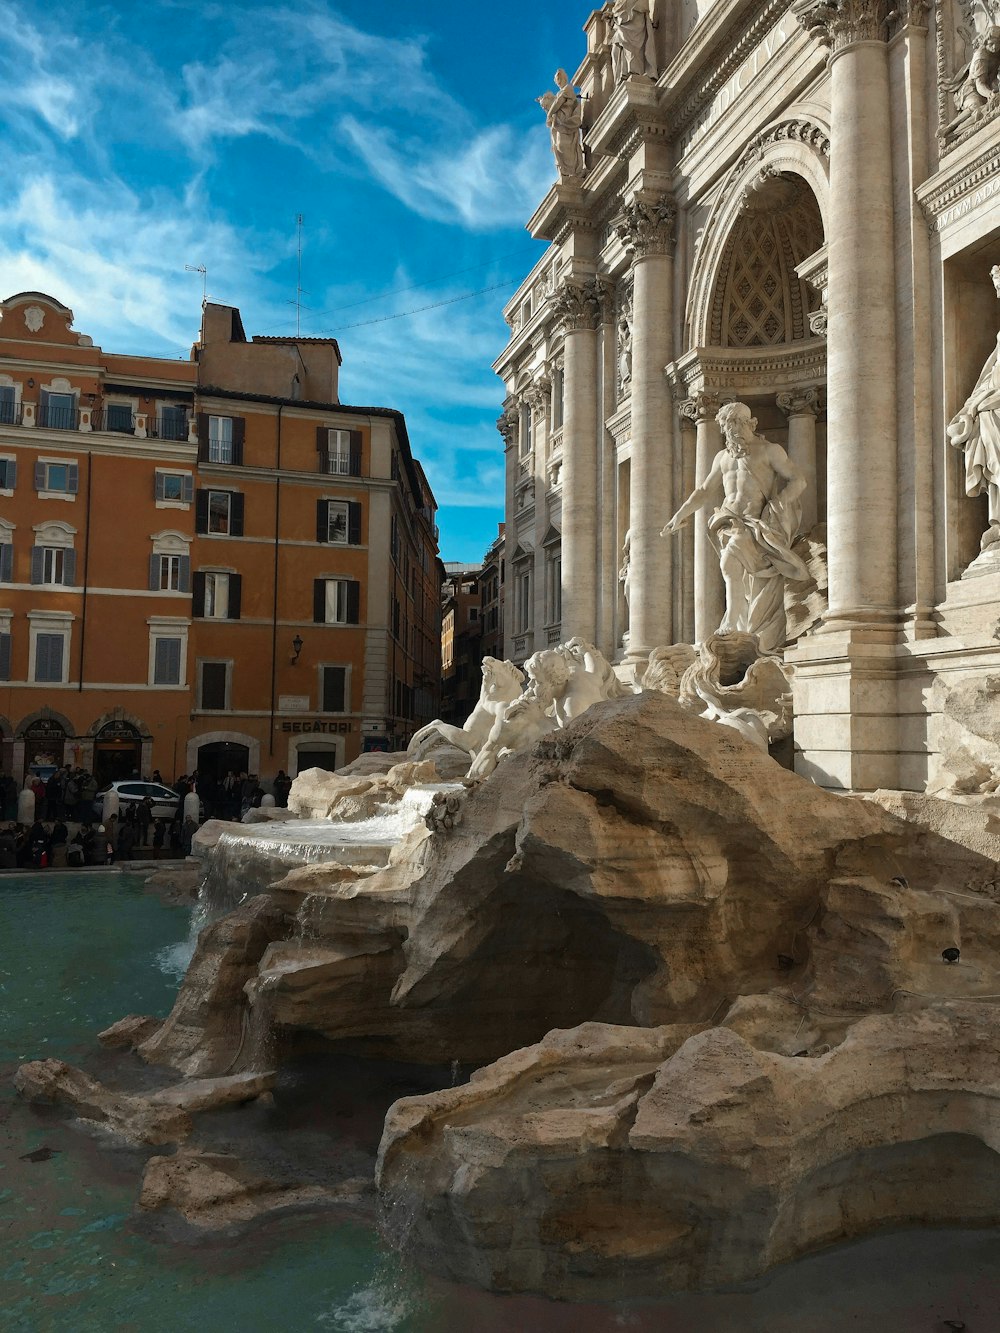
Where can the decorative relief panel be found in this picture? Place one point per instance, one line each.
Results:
(968, 66)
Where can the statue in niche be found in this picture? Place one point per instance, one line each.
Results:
(633, 47)
(753, 528)
(625, 348)
(976, 429)
(979, 85)
(564, 117)
(625, 573)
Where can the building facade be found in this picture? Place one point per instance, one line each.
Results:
(461, 640)
(791, 206)
(209, 564)
(492, 585)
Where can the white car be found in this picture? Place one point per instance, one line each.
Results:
(134, 792)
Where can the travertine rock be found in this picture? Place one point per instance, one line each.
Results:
(209, 1094)
(134, 1118)
(214, 1191)
(317, 794)
(130, 1032)
(975, 825)
(658, 1160)
(965, 733)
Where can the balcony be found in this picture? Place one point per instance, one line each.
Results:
(57, 418)
(10, 413)
(170, 428)
(115, 420)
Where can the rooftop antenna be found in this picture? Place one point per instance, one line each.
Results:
(299, 223)
(200, 268)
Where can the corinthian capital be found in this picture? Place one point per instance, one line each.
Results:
(646, 226)
(582, 305)
(508, 424)
(537, 395)
(700, 407)
(838, 23)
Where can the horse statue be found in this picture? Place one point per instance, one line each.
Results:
(502, 682)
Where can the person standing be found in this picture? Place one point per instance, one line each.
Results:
(282, 786)
(143, 819)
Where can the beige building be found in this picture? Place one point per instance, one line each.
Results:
(791, 206)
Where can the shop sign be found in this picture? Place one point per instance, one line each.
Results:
(118, 731)
(317, 726)
(45, 729)
(293, 703)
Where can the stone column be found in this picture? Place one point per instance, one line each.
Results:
(861, 355)
(509, 426)
(684, 623)
(578, 304)
(646, 229)
(538, 398)
(801, 408)
(709, 590)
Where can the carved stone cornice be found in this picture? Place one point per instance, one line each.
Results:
(701, 407)
(647, 226)
(840, 23)
(799, 403)
(582, 305)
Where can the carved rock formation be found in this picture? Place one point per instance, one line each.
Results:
(965, 733)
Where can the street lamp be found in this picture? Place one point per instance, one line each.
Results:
(297, 646)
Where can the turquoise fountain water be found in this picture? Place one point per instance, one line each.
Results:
(78, 952)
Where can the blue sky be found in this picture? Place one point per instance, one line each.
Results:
(135, 139)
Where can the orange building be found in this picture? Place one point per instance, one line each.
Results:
(205, 564)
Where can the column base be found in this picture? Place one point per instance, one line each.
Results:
(849, 735)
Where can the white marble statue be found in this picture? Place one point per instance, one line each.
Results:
(753, 527)
(976, 429)
(979, 84)
(757, 701)
(625, 349)
(625, 572)
(633, 46)
(502, 682)
(564, 117)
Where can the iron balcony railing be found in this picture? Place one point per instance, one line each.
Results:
(10, 413)
(168, 428)
(57, 418)
(114, 419)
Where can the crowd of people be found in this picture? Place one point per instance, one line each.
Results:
(68, 796)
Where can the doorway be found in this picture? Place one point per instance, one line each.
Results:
(218, 758)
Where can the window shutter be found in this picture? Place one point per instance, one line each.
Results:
(353, 602)
(158, 491)
(198, 594)
(202, 437)
(7, 563)
(69, 569)
(73, 482)
(37, 563)
(201, 512)
(49, 657)
(236, 515)
(11, 474)
(355, 453)
(187, 488)
(5, 643)
(322, 444)
(235, 595)
(319, 601)
(184, 577)
(167, 662)
(322, 520)
(39, 476)
(239, 439)
(354, 524)
(154, 573)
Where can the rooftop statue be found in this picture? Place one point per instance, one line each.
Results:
(976, 429)
(753, 528)
(633, 49)
(564, 117)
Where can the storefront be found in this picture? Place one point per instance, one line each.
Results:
(45, 747)
(117, 752)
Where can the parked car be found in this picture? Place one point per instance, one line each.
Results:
(164, 800)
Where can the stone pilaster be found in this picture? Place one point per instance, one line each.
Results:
(509, 426)
(684, 576)
(646, 229)
(579, 306)
(538, 397)
(709, 590)
(801, 408)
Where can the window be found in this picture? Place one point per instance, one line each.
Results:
(220, 439)
(8, 474)
(57, 411)
(53, 565)
(522, 598)
(170, 573)
(333, 682)
(394, 537)
(340, 451)
(214, 682)
(118, 417)
(6, 644)
(553, 585)
(526, 431)
(174, 488)
(473, 614)
(172, 423)
(338, 522)
(336, 602)
(8, 405)
(558, 395)
(6, 556)
(50, 652)
(167, 661)
(219, 512)
(57, 477)
(216, 595)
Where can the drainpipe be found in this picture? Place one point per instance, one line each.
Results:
(86, 571)
(274, 600)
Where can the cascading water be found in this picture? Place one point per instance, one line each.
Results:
(248, 860)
